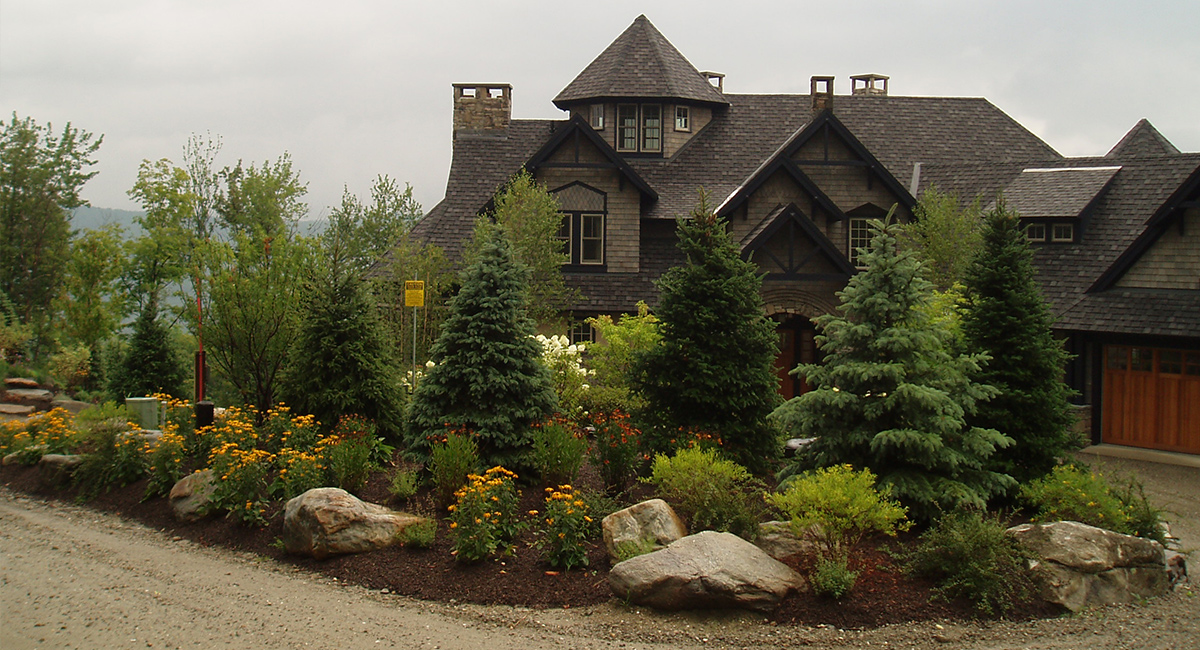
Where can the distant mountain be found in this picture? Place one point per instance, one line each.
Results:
(90, 218)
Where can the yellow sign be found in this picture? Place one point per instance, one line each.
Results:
(414, 293)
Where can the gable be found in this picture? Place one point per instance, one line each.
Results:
(580, 197)
(787, 245)
(578, 146)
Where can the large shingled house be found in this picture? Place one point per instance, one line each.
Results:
(1117, 237)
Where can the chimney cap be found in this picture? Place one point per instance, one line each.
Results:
(871, 84)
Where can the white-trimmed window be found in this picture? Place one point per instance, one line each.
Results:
(582, 332)
(564, 235)
(591, 240)
(683, 118)
(597, 117)
(860, 238)
(1035, 232)
(627, 127)
(651, 127)
(1062, 232)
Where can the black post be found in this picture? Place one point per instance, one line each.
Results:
(204, 414)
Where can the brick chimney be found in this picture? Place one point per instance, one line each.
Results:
(482, 109)
(821, 90)
(869, 84)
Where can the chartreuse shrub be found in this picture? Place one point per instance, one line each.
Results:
(114, 455)
(558, 451)
(567, 523)
(1074, 493)
(484, 515)
(836, 507)
(404, 483)
(419, 535)
(710, 492)
(615, 449)
(970, 557)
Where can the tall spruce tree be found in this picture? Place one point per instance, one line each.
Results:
(341, 362)
(712, 368)
(150, 364)
(891, 398)
(488, 376)
(1007, 319)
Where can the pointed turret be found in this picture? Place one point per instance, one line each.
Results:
(1142, 140)
(640, 64)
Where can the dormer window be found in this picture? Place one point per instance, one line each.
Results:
(1035, 232)
(597, 117)
(639, 127)
(1062, 232)
(683, 118)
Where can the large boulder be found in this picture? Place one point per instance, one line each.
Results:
(705, 571)
(1082, 566)
(779, 540)
(55, 470)
(649, 523)
(331, 521)
(190, 495)
(38, 398)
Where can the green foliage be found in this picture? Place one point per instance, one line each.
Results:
(13, 333)
(567, 524)
(264, 201)
(484, 515)
(404, 484)
(713, 367)
(366, 232)
(92, 302)
(970, 557)
(531, 221)
(1006, 317)
(421, 534)
(164, 462)
(615, 449)
(341, 360)
(613, 362)
(113, 456)
(450, 463)
(558, 452)
(946, 236)
(832, 578)
(71, 367)
(350, 463)
(412, 260)
(708, 491)
(1075, 493)
(837, 506)
(41, 175)
(301, 471)
(891, 397)
(488, 376)
(150, 364)
(241, 482)
(631, 548)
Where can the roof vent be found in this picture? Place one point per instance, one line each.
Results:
(716, 79)
(869, 84)
(482, 108)
(821, 90)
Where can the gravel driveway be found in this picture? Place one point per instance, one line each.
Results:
(74, 578)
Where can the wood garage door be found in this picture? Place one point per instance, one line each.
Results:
(1151, 398)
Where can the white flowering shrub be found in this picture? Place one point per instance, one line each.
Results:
(413, 377)
(565, 361)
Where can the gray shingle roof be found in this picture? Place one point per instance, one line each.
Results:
(1056, 192)
(640, 63)
(1142, 140)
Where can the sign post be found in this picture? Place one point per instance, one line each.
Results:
(414, 296)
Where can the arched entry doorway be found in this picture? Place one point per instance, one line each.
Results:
(796, 346)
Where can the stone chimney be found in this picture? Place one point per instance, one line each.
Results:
(482, 109)
(821, 90)
(869, 84)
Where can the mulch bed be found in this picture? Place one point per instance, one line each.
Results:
(884, 594)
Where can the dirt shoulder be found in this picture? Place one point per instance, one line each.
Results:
(74, 578)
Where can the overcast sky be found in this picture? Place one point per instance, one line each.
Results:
(353, 89)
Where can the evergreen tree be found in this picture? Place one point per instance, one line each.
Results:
(1007, 318)
(341, 362)
(891, 398)
(150, 364)
(488, 376)
(712, 370)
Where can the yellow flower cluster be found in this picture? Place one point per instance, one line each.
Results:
(54, 429)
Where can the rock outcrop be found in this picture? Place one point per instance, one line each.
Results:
(331, 521)
(191, 494)
(705, 571)
(649, 523)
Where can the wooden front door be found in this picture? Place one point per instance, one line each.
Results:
(1151, 398)
(796, 346)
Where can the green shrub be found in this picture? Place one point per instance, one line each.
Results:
(567, 524)
(349, 462)
(615, 449)
(631, 548)
(832, 578)
(53, 432)
(708, 491)
(241, 482)
(484, 515)
(450, 463)
(837, 506)
(419, 535)
(558, 452)
(299, 472)
(404, 484)
(970, 557)
(71, 367)
(1071, 493)
(164, 461)
(114, 457)
(1145, 519)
